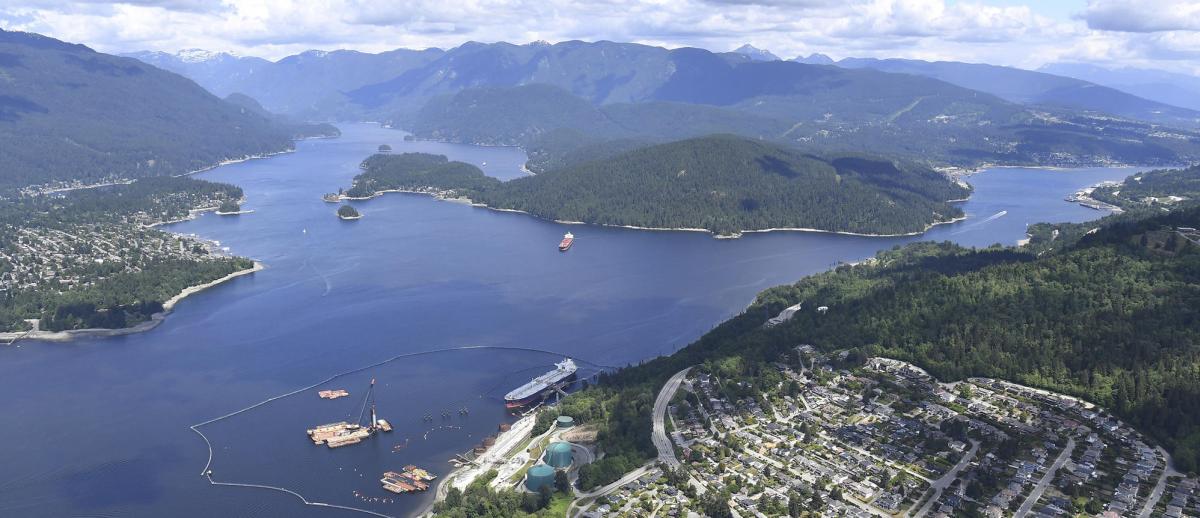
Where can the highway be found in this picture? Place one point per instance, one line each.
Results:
(666, 452)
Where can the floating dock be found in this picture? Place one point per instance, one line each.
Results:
(411, 479)
(333, 394)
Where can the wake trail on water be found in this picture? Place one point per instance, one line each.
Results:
(207, 473)
(985, 221)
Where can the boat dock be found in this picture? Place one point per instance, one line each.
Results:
(410, 479)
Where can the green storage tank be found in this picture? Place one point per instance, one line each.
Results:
(539, 476)
(559, 455)
(565, 421)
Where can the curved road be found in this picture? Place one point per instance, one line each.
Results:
(666, 452)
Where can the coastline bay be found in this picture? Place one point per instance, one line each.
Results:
(107, 430)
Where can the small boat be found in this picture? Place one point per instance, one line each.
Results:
(567, 240)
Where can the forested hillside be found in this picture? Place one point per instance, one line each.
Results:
(1038, 88)
(1111, 318)
(69, 113)
(294, 128)
(820, 112)
(1161, 188)
(721, 183)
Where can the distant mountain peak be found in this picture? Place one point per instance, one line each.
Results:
(200, 55)
(815, 58)
(756, 53)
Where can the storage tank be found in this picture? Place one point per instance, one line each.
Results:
(539, 476)
(559, 455)
(565, 421)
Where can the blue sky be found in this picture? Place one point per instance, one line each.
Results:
(1025, 33)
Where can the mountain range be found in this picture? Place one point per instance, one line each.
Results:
(69, 113)
(395, 84)
(1177, 89)
(947, 113)
(1037, 88)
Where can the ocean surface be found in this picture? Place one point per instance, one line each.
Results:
(101, 427)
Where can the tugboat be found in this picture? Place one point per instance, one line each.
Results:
(567, 240)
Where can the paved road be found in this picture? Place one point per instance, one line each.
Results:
(573, 510)
(666, 452)
(942, 483)
(1161, 486)
(629, 477)
(1046, 479)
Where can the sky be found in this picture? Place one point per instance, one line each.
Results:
(1162, 34)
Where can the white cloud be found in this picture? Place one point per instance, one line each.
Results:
(969, 30)
(1143, 15)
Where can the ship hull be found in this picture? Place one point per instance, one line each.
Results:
(539, 396)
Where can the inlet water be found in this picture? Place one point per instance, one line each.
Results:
(99, 427)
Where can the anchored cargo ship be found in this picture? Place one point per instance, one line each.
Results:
(567, 241)
(539, 387)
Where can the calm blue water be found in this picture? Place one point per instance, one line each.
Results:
(99, 427)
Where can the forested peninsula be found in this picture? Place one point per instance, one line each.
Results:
(92, 259)
(722, 184)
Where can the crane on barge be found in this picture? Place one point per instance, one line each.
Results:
(345, 433)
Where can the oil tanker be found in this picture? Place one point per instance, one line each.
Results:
(539, 387)
(567, 240)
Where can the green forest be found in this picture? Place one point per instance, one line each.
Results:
(723, 184)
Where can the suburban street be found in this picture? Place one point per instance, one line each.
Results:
(1046, 479)
(942, 483)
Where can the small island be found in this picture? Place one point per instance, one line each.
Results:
(348, 213)
(384, 148)
(332, 197)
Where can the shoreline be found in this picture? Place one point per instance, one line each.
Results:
(234, 213)
(446, 196)
(247, 158)
(155, 319)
